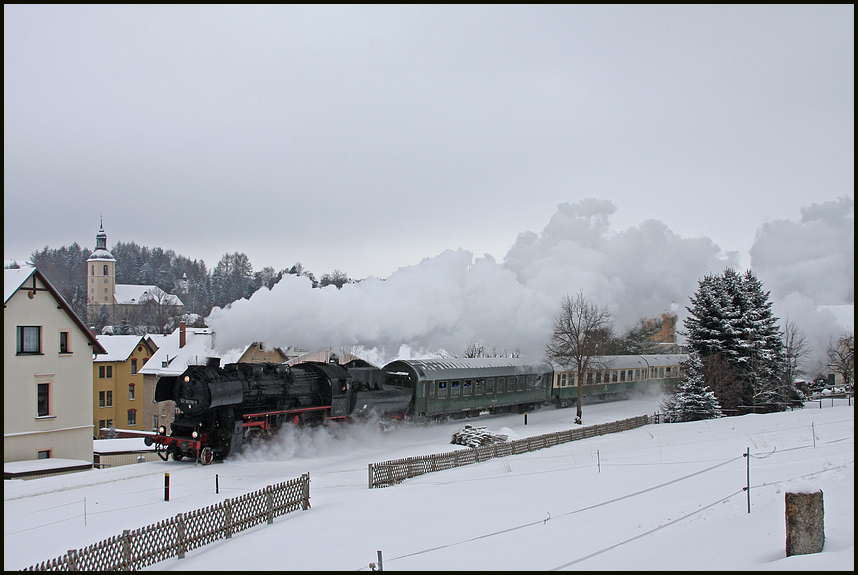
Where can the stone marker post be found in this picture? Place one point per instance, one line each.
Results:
(804, 521)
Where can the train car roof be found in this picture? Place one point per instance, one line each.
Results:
(456, 368)
(634, 361)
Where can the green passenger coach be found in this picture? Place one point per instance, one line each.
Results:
(464, 387)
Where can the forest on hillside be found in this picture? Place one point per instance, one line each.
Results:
(200, 289)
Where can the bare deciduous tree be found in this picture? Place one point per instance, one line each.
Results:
(842, 357)
(795, 349)
(581, 330)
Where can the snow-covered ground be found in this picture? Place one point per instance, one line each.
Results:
(661, 497)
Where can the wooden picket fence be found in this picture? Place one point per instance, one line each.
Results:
(395, 471)
(142, 547)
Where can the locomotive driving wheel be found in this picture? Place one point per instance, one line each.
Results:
(206, 456)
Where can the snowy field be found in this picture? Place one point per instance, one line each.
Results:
(661, 497)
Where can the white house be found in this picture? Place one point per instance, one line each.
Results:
(47, 374)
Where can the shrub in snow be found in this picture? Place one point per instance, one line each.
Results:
(692, 400)
(476, 436)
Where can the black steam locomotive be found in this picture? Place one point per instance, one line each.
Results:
(219, 409)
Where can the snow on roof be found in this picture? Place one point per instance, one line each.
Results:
(131, 294)
(32, 465)
(170, 359)
(13, 279)
(119, 347)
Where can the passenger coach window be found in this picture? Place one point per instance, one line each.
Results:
(661, 372)
(431, 386)
(501, 384)
(622, 376)
(442, 389)
(614, 376)
(480, 387)
(490, 385)
(598, 377)
(519, 383)
(466, 388)
(455, 391)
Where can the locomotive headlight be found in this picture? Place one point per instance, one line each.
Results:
(187, 378)
(194, 434)
(162, 430)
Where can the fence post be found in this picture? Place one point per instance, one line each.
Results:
(72, 554)
(180, 536)
(269, 497)
(804, 521)
(369, 473)
(305, 501)
(227, 519)
(126, 549)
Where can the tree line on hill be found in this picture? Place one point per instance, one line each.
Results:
(200, 289)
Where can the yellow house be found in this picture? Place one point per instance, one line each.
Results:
(118, 394)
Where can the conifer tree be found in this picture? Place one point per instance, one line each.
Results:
(691, 400)
(731, 324)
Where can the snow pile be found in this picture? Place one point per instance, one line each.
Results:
(476, 436)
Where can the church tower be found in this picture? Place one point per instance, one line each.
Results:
(100, 278)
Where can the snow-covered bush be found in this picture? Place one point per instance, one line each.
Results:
(476, 436)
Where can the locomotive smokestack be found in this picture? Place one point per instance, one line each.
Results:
(212, 362)
(183, 334)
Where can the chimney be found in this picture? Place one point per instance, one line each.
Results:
(183, 334)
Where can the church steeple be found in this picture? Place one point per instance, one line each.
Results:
(100, 276)
(101, 237)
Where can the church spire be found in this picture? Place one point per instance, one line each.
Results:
(101, 237)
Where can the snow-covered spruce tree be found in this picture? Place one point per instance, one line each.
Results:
(691, 400)
(732, 326)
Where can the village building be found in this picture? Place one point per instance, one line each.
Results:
(117, 391)
(47, 378)
(114, 304)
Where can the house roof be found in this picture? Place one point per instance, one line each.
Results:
(24, 280)
(170, 359)
(120, 347)
(133, 294)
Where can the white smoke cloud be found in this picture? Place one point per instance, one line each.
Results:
(453, 299)
(814, 257)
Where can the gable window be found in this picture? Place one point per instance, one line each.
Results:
(43, 399)
(29, 339)
(65, 344)
(132, 417)
(133, 366)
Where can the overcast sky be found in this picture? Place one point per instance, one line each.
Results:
(484, 160)
(366, 138)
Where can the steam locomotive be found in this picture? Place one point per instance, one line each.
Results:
(219, 409)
